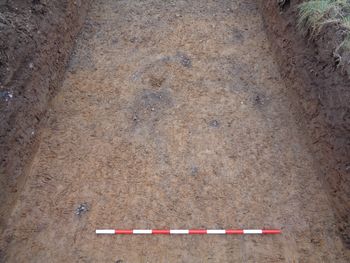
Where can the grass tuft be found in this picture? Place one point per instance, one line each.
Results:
(346, 22)
(315, 14)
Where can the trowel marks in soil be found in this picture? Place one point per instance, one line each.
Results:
(134, 136)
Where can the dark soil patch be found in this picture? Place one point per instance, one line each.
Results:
(184, 60)
(237, 36)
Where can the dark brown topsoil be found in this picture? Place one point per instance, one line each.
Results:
(319, 80)
(36, 37)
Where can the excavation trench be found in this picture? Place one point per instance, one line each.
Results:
(172, 115)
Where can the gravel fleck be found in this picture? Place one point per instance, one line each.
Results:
(81, 209)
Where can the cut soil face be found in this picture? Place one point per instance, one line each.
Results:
(172, 115)
(36, 38)
(321, 90)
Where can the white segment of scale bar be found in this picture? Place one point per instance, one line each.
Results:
(252, 231)
(142, 231)
(179, 231)
(216, 231)
(105, 231)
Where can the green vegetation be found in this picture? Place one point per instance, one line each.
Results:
(315, 14)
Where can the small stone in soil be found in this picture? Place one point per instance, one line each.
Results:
(258, 100)
(214, 123)
(81, 209)
(194, 170)
(347, 167)
(6, 95)
(185, 60)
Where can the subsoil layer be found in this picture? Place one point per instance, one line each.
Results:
(172, 115)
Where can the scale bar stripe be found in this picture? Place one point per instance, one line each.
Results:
(187, 231)
(197, 231)
(252, 231)
(123, 232)
(234, 232)
(142, 231)
(272, 231)
(216, 231)
(160, 232)
(179, 231)
(105, 231)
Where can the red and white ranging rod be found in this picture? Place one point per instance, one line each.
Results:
(186, 231)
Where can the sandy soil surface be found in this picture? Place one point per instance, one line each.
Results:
(172, 115)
